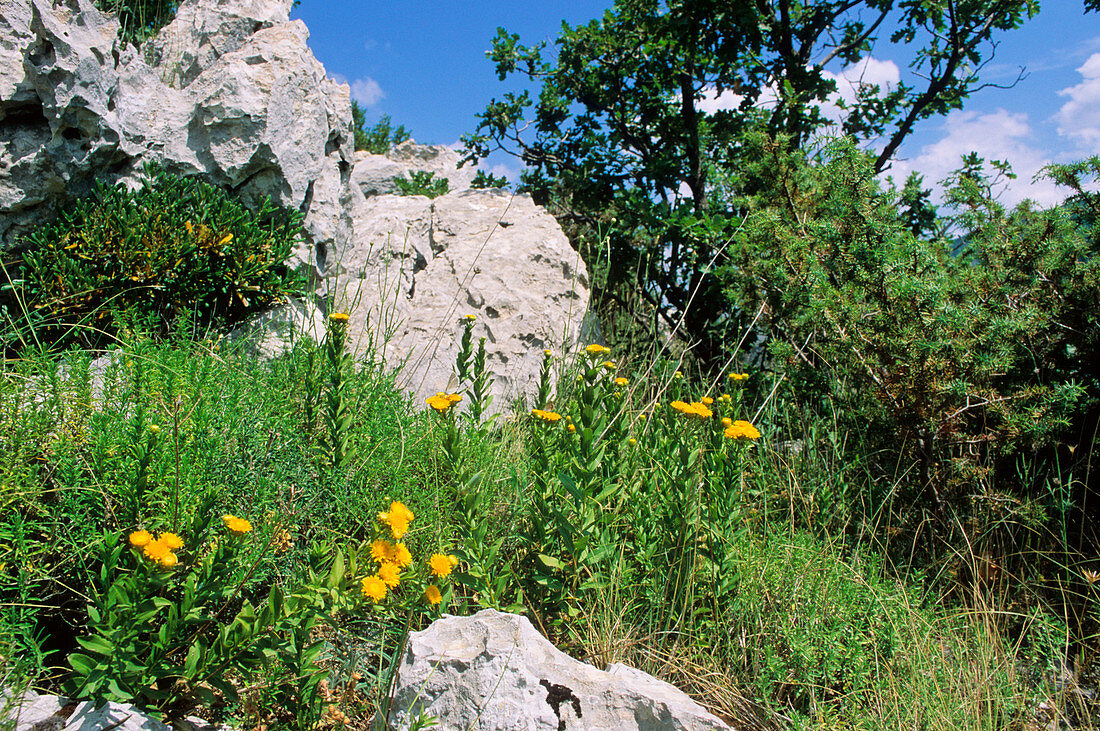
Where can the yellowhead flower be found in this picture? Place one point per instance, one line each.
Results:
(738, 376)
(390, 575)
(237, 526)
(620, 381)
(382, 551)
(397, 518)
(432, 595)
(677, 375)
(373, 588)
(469, 318)
(401, 556)
(548, 352)
(171, 540)
(156, 550)
(572, 429)
(140, 538)
(609, 365)
(727, 421)
(742, 430)
(338, 317)
(632, 441)
(597, 349)
(169, 561)
(550, 416)
(707, 400)
(725, 398)
(443, 401)
(441, 564)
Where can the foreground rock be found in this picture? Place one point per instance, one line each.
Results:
(494, 672)
(417, 266)
(374, 174)
(36, 712)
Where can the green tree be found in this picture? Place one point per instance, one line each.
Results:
(624, 143)
(378, 138)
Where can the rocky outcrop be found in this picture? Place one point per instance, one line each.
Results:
(495, 672)
(34, 712)
(228, 90)
(417, 265)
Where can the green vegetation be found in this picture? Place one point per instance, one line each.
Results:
(140, 19)
(422, 182)
(378, 138)
(174, 249)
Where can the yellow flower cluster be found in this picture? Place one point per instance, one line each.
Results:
(597, 349)
(397, 518)
(338, 317)
(161, 550)
(549, 416)
(738, 376)
(441, 402)
(620, 381)
(237, 526)
(441, 564)
(742, 430)
(695, 409)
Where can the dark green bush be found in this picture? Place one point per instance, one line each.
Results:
(140, 19)
(954, 354)
(175, 248)
(378, 138)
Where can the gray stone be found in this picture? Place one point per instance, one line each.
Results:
(416, 266)
(274, 333)
(111, 715)
(33, 712)
(374, 174)
(495, 672)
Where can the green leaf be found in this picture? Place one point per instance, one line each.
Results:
(551, 562)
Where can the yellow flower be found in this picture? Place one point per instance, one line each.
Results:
(469, 318)
(572, 429)
(677, 375)
(609, 365)
(441, 564)
(156, 550)
(548, 352)
(140, 538)
(169, 561)
(707, 400)
(187, 225)
(742, 430)
(632, 441)
(237, 526)
(373, 588)
(154, 429)
(550, 416)
(338, 317)
(432, 595)
(443, 401)
(620, 381)
(171, 540)
(695, 409)
(725, 398)
(597, 349)
(382, 551)
(389, 574)
(397, 518)
(726, 421)
(738, 376)
(401, 556)
(225, 239)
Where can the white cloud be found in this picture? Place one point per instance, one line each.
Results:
(997, 135)
(1079, 118)
(367, 92)
(866, 72)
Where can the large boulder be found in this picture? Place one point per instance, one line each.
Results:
(416, 266)
(229, 90)
(495, 672)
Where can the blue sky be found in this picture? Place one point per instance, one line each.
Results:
(423, 63)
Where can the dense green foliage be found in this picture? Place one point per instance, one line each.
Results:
(174, 248)
(378, 138)
(140, 19)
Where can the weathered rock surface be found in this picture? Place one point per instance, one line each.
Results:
(495, 672)
(374, 174)
(417, 265)
(232, 93)
(273, 333)
(36, 712)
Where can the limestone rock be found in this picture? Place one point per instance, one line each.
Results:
(273, 333)
(418, 265)
(374, 174)
(495, 672)
(111, 715)
(232, 93)
(33, 712)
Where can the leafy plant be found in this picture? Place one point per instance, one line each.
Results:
(175, 248)
(488, 181)
(422, 182)
(379, 138)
